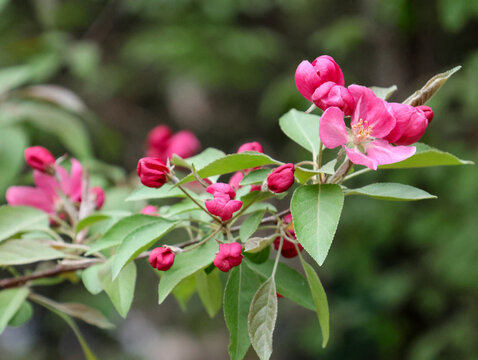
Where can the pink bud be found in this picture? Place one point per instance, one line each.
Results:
(427, 110)
(288, 248)
(158, 138)
(309, 76)
(223, 204)
(410, 124)
(183, 144)
(251, 146)
(161, 258)
(330, 94)
(221, 188)
(229, 255)
(281, 178)
(152, 172)
(236, 179)
(150, 210)
(99, 194)
(39, 158)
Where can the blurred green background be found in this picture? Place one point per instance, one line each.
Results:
(401, 278)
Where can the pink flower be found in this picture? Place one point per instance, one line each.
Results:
(308, 77)
(158, 140)
(288, 248)
(330, 94)
(99, 196)
(229, 256)
(411, 123)
(281, 179)
(371, 123)
(39, 159)
(183, 144)
(45, 195)
(161, 258)
(150, 210)
(152, 172)
(223, 204)
(250, 146)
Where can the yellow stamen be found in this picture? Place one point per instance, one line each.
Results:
(362, 131)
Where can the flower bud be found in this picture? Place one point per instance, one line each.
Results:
(309, 76)
(158, 138)
(410, 123)
(223, 204)
(281, 178)
(152, 172)
(427, 110)
(150, 210)
(161, 258)
(250, 146)
(40, 159)
(99, 196)
(183, 144)
(330, 94)
(229, 255)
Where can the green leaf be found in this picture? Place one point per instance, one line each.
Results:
(210, 291)
(259, 257)
(427, 156)
(421, 96)
(391, 191)
(181, 207)
(10, 302)
(26, 251)
(259, 206)
(232, 163)
(14, 76)
(250, 225)
(84, 345)
(241, 286)
(90, 279)
(384, 92)
(22, 315)
(316, 211)
(255, 177)
(320, 300)
(12, 145)
(121, 289)
(90, 220)
(200, 160)
(289, 282)
(303, 174)
(262, 318)
(66, 126)
(256, 244)
(184, 290)
(147, 193)
(185, 264)
(119, 231)
(16, 219)
(302, 128)
(139, 240)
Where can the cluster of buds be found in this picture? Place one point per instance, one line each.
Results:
(223, 204)
(54, 185)
(375, 123)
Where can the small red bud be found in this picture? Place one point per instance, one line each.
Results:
(281, 179)
(152, 172)
(229, 256)
(99, 194)
(40, 159)
(161, 258)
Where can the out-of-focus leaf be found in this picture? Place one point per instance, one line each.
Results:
(184, 290)
(391, 191)
(22, 315)
(262, 319)
(121, 289)
(10, 302)
(12, 145)
(90, 279)
(16, 219)
(316, 211)
(421, 96)
(57, 95)
(65, 126)
(26, 251)
(210, 291)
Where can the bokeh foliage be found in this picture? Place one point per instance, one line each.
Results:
(401, 277)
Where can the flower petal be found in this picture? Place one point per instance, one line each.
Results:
(306, 79)
(75, 180)
(384, 153)
(46, 183)
(359, 158)
(332, 130)
(30, 196)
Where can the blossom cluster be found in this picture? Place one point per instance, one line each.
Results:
(379, 132)
(163, 144)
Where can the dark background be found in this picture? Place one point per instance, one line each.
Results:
(401, 278)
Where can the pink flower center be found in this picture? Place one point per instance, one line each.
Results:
(362, 131)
